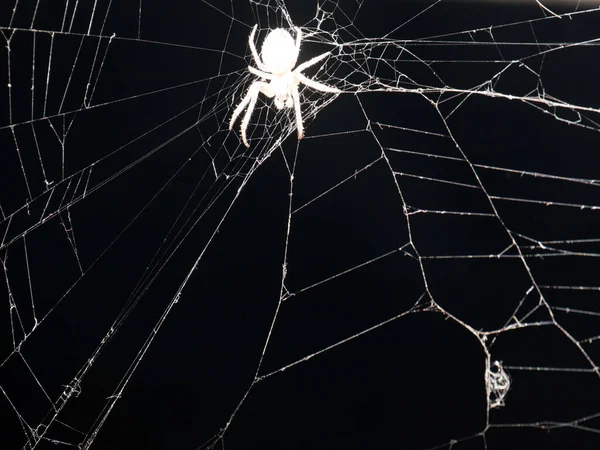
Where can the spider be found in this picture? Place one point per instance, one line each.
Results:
(279, 55)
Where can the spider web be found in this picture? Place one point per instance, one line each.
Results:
(420, 271)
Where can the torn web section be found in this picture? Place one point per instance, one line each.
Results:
(509, 183)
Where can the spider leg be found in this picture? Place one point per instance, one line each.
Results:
(255, 55)
(250, 100)
(316, 85)
(299, 125)
(257, 86)
(311, 62)
(298, 41)
(260, 73)
(240, 108)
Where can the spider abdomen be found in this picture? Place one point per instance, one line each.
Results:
(278, 51)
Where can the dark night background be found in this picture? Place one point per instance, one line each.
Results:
(145, 149)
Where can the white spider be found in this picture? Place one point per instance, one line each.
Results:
(279, 55)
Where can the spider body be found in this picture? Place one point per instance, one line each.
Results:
(278, 52)
(278, 56)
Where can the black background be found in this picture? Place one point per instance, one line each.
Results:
(152, 204)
